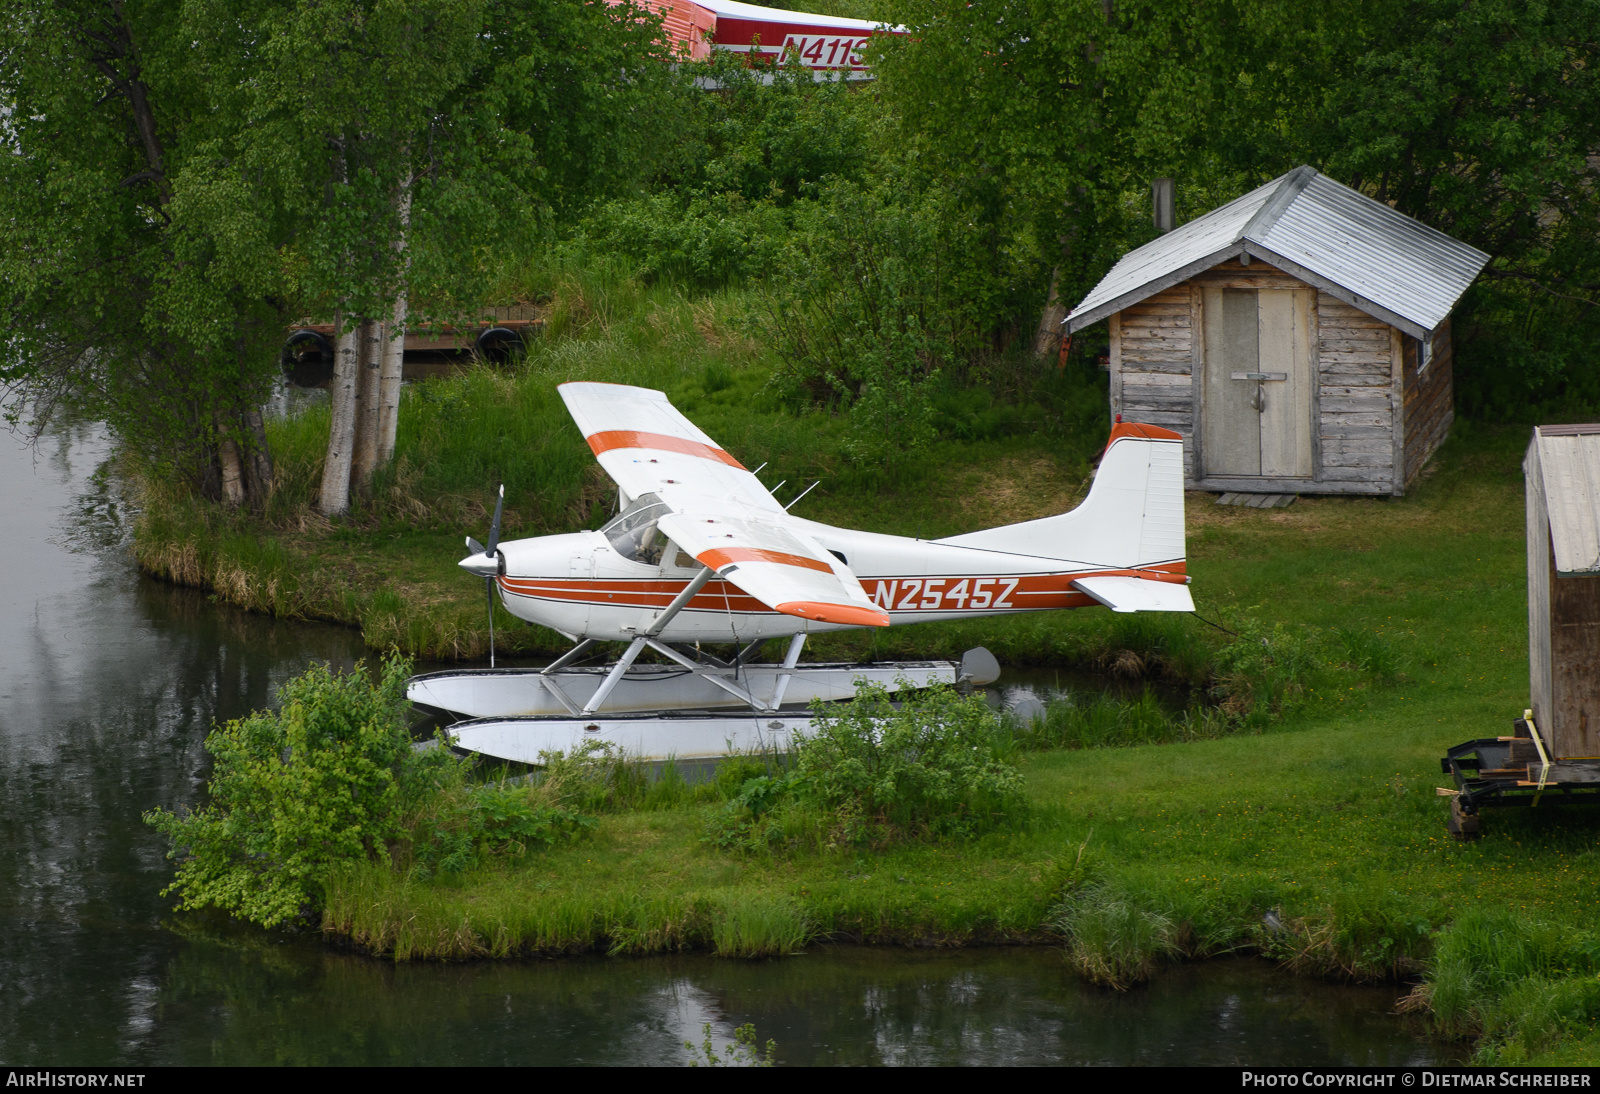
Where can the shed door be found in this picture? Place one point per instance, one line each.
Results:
(1256, 398)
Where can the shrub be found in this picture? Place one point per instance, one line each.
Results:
(476, 822)
(325, 778)
(871, 772)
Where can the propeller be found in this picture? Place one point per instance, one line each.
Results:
(491, 554)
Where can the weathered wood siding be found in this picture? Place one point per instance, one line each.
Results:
(1429, 400)
(1377, 418)
(1152, 361)
(1356, 421)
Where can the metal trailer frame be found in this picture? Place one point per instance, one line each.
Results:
(1476, 768)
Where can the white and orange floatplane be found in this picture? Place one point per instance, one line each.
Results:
(701, 553)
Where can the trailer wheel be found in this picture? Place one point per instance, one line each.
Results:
(1463, 826)
(307, 359)
(498, 343)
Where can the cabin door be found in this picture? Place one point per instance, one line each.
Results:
(1256, 397)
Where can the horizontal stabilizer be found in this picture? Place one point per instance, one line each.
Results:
(1137, 594)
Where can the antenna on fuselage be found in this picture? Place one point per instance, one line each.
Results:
(803, 493)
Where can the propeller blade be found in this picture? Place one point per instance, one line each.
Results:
(474, 546)
(494, 528)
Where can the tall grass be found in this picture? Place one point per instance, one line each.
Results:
(746, 924)
(1522, 985)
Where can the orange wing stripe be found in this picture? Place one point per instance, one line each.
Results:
(718, 557)
(628, 438)
(836, 613)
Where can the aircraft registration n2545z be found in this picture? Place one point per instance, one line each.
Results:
(701, 553)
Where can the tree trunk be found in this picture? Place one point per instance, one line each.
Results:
(394, 342)
(1047, 340)
(365, 459)
(257, 459)
(232, 472)
(394, 349)
(335, 499)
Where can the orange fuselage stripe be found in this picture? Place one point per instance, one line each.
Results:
(1030, 592)
(629, 438)
(718, 557)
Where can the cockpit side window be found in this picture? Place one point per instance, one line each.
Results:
(633, 533)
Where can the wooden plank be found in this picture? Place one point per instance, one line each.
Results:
(1170, 419)
(1353, 342)
(1380, 460)
(1351, 428)
(1141, 357)
(1114, 324)
(1382, 479)
(1192, 446)
(1154, 380)
(1359, 446)
(1360, 373)
(1163, 306)
(1169, 317)
(1371, 359)
(1291, 486)
(1134, 345)
(1396, 413)
(1165, 368)
(1350, 401)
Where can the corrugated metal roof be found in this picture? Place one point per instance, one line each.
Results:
(1569, 472)
(1360, 250)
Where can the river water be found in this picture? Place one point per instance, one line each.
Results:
(108, 684)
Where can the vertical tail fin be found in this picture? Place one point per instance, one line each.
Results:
(1132, 517)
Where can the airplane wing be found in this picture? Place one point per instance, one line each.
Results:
(645, 445)
(721, 513)
(770, 559)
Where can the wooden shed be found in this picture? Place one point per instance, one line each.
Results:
(1297, 337)
(1562, 476)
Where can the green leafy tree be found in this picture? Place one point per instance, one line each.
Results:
(325, 778)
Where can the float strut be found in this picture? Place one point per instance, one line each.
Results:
(604, 690)
(790, 660)
(567, 658)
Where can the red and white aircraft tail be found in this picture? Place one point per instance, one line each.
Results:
(1133, 515)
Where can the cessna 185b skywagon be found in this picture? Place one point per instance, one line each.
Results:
(702, 553)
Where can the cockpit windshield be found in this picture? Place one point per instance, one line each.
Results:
(633, 532)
